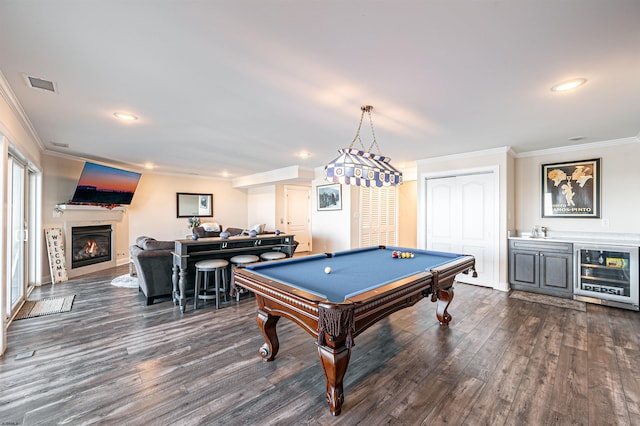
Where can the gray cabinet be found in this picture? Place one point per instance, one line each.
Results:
(541, 266)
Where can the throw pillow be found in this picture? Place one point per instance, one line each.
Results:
(153, 244)
(141, 241)
(211, 227)
(258, 227)
(234, 231)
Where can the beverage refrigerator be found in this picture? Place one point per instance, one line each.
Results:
(607, 274)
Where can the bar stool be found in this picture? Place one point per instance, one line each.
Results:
(219, 269)
(241, 259)
(273, 255)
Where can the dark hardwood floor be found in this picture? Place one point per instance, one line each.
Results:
(113, 360)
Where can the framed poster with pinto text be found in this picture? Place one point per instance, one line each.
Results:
(571, 189)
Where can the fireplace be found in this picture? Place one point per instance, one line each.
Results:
(90, 245)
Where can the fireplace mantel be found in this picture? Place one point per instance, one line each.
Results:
(89, 207)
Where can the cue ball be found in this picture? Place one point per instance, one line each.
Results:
(327, 270)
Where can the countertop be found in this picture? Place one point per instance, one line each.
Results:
(627, 240)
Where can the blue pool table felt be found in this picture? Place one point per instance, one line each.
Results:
(352, 272)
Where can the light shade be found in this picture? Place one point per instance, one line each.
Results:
(360, 167)
(354, 167)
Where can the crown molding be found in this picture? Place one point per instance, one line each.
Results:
(579, 147)
(472, 154)
(7, 94)
(128, 166)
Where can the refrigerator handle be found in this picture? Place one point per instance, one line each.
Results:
(576, 274)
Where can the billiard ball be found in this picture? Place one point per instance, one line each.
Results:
(327, 270)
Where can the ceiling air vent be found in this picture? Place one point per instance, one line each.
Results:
(39, 83)
(60, 144)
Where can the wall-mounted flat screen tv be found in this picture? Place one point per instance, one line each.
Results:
(100, 184)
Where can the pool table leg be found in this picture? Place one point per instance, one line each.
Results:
(334, 363)
(444, 300)
(267, 324)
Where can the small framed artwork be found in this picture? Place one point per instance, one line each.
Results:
(330, 197)
(571, 189)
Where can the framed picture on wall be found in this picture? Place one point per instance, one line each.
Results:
(194, 205)
(571, 189)
(330, 197)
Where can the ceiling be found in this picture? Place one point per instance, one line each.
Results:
(234, 88)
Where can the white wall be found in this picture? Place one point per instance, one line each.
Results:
(153, 210)
(280, 213)
(620, 179)
(332, 230)
(261, 203)
(408, 214)
(13, 128)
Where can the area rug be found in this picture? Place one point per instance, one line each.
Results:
(38, 308)
(549, 300)
(126, 281)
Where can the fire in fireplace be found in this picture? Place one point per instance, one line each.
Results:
(90, 245)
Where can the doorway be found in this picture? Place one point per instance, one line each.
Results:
(297, 208)
(20, 272)
(461, 216)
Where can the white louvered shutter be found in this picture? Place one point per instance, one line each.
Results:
(378, 216)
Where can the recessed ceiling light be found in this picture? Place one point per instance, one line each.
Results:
(149, 166)
(125, 116)
(304, 154)
(576, 138)
(568, 85)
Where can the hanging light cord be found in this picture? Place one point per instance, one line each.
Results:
(367, 109)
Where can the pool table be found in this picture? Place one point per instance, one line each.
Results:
(335, 305)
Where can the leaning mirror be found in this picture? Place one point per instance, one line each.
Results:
(189, 204)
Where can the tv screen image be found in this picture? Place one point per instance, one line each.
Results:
(100, 184)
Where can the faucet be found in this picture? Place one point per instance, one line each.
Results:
(539, 232)
(543, 229)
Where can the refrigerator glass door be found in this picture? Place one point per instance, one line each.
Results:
(607, 273)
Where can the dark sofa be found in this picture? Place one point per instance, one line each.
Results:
(154, 262)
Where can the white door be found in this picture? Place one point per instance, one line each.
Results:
(460, 215)
(297, 206)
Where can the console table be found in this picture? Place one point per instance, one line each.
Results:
(187, 252)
